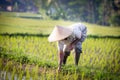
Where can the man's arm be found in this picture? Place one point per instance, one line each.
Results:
(75, 41)
(60, 54)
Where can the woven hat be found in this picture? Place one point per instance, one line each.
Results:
(59, 33)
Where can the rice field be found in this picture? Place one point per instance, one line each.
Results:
(34, 58)
(26, 54)
(33, 26)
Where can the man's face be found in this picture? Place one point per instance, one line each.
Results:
(66, 38)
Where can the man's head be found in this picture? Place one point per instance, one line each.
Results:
(59, 33)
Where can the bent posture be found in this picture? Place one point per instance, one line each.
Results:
(68, 39)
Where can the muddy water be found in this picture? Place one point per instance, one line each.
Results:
(8, 76)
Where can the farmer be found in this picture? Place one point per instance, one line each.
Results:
(68, 38)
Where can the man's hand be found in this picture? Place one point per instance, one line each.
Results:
(71, 46)
(75, 41)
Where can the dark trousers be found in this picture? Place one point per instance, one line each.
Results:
(76, 56)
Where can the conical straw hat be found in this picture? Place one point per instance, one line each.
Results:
(59, 33)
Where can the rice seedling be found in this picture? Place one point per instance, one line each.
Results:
(100, 59)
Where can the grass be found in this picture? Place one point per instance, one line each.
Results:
(22, 25)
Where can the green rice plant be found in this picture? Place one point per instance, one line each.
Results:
(8, 66)
(27, 71)
(75, 76)
(100, 56)
(34, 72)
(0, 64)
(82, 76)
(13, 73)
(20, 76)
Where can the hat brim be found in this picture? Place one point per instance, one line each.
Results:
(59, 33)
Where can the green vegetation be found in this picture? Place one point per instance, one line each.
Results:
(21, 25)
(25, 52)
(103, 12)
(99, 60)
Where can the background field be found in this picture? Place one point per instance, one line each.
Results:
(26, 54)
(15, 24)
